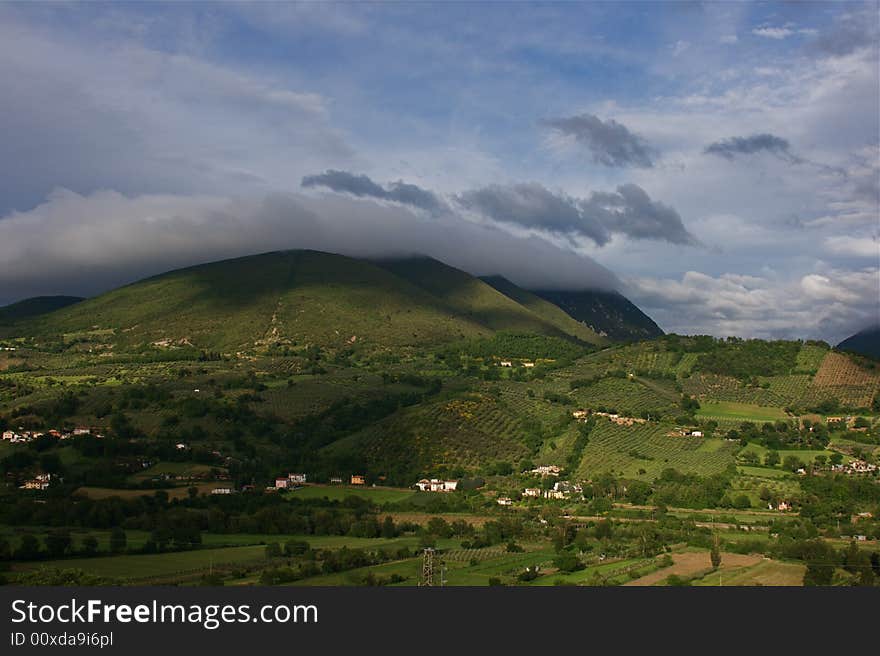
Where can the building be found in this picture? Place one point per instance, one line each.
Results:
(580, 414)
(9, 435)
(282, 483)
(82, 431)
(296, 478)
(38, 482)
(528, 364)
(222, 490)
(696, 433)
(437, 485)
(547, 470)
(506, 363)
(358, 479)
(532, 492)
(335, 480)
(504, 501)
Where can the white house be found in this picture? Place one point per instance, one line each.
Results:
(437, 485)
(8, 435)
(547, 470)
(222, 490)
(504, 501)
(532, 492)
(296, 478)
(38, 482)
(282, 483)
(506, 363)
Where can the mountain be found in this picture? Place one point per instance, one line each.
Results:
(499, 307)
(608, 313)
(865, 342)
(32, 307)
(545, 309)
(300, 298)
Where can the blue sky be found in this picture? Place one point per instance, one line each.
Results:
(716, 162)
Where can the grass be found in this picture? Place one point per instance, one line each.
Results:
(173, 492)
(740, 411)
(378, 495)
(767, 572)
(644, 450)
(139, 567)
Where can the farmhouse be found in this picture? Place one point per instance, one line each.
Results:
(528, 364)
(296, 478)
(436, 485)
(8, 435)
(282, 483)
(504, 501)
(38, 482)
(358, 479)
(532, 492)
(546, 470)
(506, 363)
(335, 480)
(222, 490)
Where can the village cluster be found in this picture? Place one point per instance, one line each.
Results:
(29, 436)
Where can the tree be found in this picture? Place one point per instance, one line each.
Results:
(58, 542)
(771, 459)
(715, 554)
(28, 548)
(90, 545)
(821, 560)
(389, 530)
(118, 540)
(273, 550)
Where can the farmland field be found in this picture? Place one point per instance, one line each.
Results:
(377, 495)
(727, 410)
(643, 451)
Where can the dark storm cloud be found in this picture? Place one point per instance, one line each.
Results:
(363, 187)
(756, 143)
(628, 211)
(532, 205)
(609, 142)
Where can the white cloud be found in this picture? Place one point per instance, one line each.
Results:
(84, 244)
(777, 33)
(828, 305)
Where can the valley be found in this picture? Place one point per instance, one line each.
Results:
(160, 433)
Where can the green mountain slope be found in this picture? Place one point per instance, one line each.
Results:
(474, 299)
(865, 342)
(544, 309)
(294, 297)
(32, 307)
(608, 313)
(300, 298)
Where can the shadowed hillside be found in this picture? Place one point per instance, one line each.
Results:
(32, 307)
(608, 313)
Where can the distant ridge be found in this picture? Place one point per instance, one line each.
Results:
(33, 307)
(609, 313)
(865, 342)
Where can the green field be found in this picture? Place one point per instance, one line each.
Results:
(378, 495)
(739, 411)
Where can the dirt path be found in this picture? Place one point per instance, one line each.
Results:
(691, 563)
